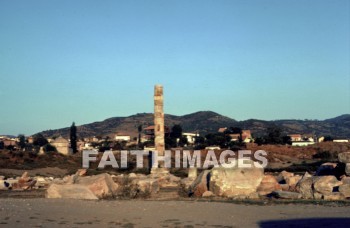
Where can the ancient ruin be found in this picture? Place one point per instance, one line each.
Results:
(159, 143)
(159, 120)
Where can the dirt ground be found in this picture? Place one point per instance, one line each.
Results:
(141, 213)
(46, 172)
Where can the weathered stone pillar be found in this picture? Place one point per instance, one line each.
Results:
(159, 142)
(159, 120)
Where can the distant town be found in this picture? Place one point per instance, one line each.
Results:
(224, 138)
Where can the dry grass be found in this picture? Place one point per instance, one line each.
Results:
(302, 157)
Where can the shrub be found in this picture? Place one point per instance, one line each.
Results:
(49, 148)
(325, 155)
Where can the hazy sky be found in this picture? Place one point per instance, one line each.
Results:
(85, 61)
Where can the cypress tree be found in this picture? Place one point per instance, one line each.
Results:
(73, 137)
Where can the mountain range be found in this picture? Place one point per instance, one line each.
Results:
(205, 122)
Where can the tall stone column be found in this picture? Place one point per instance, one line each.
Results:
(159, 120)
(159, 142)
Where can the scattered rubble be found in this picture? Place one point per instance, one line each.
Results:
(200, 184)
(268, 185)
(330, 182)
(345, 190)
(102, 185)
(304, 186)
(286, 195)
(334, 196)
(282, 177)
(70, 191)
(232, 182)
(345, 159)
(325, 184)
(208, 194)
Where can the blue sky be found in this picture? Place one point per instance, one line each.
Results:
(85, 61)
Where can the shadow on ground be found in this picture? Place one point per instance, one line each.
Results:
(310, 222)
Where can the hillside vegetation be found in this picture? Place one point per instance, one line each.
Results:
(207, 122)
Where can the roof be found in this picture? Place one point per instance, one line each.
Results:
(234, 135)
(295, 135)
(122, 134)
(222, 129)
(60, 140)
(246, 132)
(190, 134)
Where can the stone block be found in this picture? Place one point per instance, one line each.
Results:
(230, 182)
(344, 157)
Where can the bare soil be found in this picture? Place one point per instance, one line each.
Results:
(46, 172)
(140, 213)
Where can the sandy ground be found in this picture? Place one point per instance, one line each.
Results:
(138, 213)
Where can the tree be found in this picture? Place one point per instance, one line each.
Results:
(287, 140)
(39, 140)
(22, 141)
(328, 139)
(260, 140)
(176, 131)
(199, 143)
(170, 142)
(235, 130)
(106, 143)
(139, 129)
(11, 147)
(49, 148)
(183, 141)
(73, 138)
(236, 144)
(199, 140)
(217, 139)
(274, 136)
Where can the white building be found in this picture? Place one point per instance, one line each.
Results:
(122, 138)
(191, 137)
(302, 143)
(321, 139)
(341, 140)
(295, 137)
